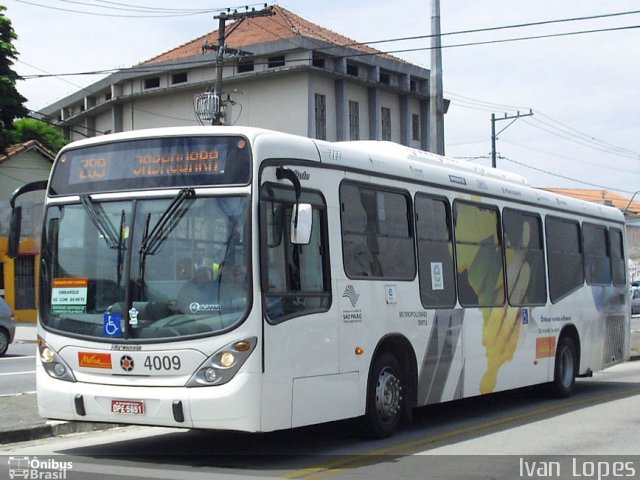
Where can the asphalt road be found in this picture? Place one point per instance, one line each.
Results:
(448, 441)
(17, 369)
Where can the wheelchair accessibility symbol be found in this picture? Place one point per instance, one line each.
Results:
(112, 325)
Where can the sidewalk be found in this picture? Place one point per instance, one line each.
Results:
(19, 419)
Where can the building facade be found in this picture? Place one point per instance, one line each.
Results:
(22, 163)
(300, 78)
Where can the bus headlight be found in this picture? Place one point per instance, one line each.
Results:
(53, 363)
(222, 366)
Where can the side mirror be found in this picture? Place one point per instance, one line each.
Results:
(14, 232)
(301, 224)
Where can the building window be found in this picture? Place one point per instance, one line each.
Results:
(386, 123)
(415, 127)
(107, 96)
(246, 66)
(153, 82)
(353, 70)
(179, 78)
(385, 78)
(354, 120)
(321, 116)
(413, 85)
(25, 282)
(274, 62)
(318, 62)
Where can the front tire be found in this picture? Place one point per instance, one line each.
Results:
(4, 341)
(566, 367)
(384, 397)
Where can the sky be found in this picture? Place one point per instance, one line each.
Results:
(583, 89)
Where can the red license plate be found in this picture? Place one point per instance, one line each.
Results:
(127, 407)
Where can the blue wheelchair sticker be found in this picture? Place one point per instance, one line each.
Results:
(525, 316)
(112, 325)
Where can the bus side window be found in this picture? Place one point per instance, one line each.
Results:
(564, 257)
(435, 252)
(377, 234)
(478, 255)
(524, 254)
(617, 257)
(597, 261)
(295, 277)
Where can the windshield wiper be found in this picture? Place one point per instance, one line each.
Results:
(101, 221)
(153, 240)
(121, 246)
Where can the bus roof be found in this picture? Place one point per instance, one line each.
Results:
(386, 159)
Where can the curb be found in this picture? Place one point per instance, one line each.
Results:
(51, 428)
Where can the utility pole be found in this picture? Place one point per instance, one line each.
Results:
(494, 135)
(213, 102)
(436, 96)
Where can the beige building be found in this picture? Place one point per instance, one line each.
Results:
(22, 163)
(300, 78)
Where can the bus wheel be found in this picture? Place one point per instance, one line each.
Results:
(384, 397)
(564, 373)
(4, 341)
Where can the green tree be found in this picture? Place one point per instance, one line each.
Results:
(31, 129)
(11, 102)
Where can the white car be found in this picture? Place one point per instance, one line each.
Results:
(7, 326)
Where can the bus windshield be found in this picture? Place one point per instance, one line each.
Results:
(146, 268)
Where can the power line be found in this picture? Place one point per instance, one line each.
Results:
(465, 102)
(490, 42)
(150, 68)
(589, 137)
(118, 5)
(490, 29)
(152, 12)
(157, 15)
(560, 134)
(564, 176)
(558, 128)
(581, 161)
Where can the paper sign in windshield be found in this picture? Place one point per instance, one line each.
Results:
(69, 295)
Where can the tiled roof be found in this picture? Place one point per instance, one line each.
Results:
(18, 148)
(283, 25)
(603, 197)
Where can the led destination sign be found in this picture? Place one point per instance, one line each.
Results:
(157, 162)
(145, 164)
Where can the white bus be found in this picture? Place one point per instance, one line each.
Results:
(244, 279)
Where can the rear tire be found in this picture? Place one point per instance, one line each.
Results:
(566, 367)
(384, 397)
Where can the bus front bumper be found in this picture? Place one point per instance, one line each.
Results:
(233, 406)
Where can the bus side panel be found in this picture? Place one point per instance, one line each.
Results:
(501, 344)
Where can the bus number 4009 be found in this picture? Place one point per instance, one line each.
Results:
(165, 362)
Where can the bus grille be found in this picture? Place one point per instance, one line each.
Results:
(614, 340)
